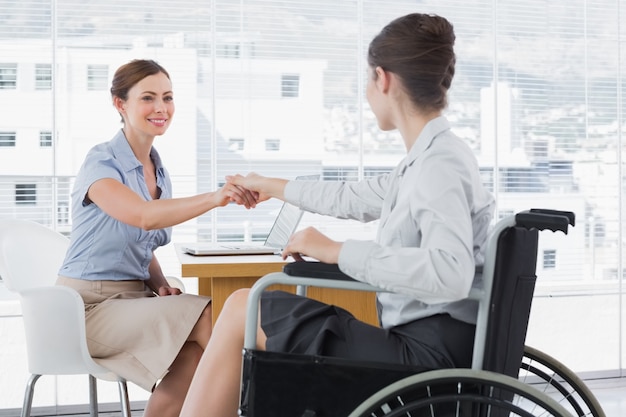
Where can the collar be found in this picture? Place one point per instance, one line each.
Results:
(126, 157)
(431, 130)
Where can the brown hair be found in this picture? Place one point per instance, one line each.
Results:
(131, 73)
(419, 49)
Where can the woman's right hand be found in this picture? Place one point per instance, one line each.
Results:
(237, 194)
(262, 188)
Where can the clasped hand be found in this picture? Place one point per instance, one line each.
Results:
(254, 188)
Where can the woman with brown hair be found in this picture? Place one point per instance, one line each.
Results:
(434, 216)
(122, 210)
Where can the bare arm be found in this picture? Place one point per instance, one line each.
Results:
(123, 204)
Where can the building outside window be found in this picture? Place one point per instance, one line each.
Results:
(8, 76)
(45, 139)
(290, 85)
(7, 139)
(236, 144)
(97, 77)
(43, 76)
(63, 213)
(549, 259)
(272, 145)
(228, 50)
(339, 173)
(25, 194)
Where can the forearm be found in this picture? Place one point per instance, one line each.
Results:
(125, 205)
(270, 187)
(158, 214)
(157, 278)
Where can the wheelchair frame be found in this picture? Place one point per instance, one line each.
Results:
(575, 397)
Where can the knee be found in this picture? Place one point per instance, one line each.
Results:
(235, 305)
(238, 299)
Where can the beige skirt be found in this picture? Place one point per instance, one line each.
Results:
(133, 332)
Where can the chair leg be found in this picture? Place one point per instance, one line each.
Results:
(93, 396)
(125, 402)
(28, 395)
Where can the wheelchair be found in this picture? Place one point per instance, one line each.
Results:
(507, 378)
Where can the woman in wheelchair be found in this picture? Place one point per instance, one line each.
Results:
(434, 216)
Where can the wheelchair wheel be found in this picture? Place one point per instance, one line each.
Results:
(550, 376)
(459, 392)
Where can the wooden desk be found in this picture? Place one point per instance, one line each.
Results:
(220, 276)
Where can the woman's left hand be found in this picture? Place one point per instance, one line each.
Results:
(311, 242)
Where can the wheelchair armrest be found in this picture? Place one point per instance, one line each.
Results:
(316, 270)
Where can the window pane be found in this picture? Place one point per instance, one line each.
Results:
(97, 77)
(8, 76)
(26, 194)
(43, 76)
(45, 139)
(549, 258)
(7, 139)
(290, 85)
(272, 145)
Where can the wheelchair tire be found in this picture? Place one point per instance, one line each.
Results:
(459, 392)
(548, 375)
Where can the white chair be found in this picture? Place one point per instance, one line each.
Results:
(54, 316)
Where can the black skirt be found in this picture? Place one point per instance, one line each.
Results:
(295, 324)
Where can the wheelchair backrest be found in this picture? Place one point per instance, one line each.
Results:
(513, 286)
(511, 298)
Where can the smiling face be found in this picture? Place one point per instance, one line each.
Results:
(149, 108)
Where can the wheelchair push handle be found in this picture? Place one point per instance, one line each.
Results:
(542, 219)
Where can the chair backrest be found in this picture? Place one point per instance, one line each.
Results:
(30, 254)
(54, 316)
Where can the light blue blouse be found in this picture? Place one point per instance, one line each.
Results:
(102, 248)
(434, 217)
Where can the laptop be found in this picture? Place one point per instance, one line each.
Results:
(284, 225)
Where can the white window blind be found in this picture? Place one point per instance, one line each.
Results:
(277, 87)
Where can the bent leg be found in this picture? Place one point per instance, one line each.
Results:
(167, 398)
(214, 390)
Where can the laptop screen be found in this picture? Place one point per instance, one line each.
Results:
(284, 226)
(287, 220)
